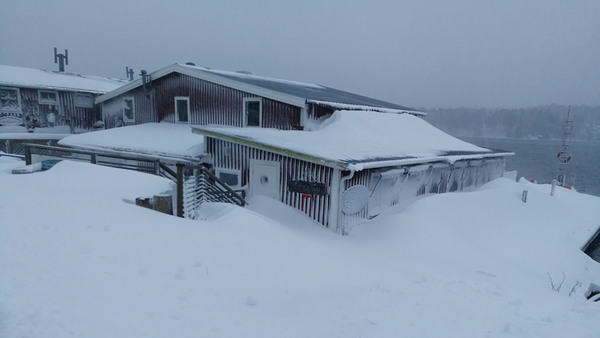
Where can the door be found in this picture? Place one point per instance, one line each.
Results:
(264, 178)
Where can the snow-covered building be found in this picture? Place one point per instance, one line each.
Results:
(345, 169)
(184, 93)
(340, 158)
(35, 98)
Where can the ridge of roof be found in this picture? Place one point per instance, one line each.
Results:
(287, 91)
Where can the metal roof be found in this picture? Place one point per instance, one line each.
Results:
(290, 92)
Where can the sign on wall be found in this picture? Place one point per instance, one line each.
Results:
(307, 187)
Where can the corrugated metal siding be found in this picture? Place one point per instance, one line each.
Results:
(234, 156)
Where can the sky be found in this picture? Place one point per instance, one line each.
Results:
(423, 54)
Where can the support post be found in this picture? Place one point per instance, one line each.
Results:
(27, 155)
(157, 168)
(180, 167)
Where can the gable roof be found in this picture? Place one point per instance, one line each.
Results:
(357, 140)
(290, 92)
(53, 80)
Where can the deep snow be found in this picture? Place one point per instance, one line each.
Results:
(77, 258)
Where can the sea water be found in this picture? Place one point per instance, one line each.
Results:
(537, 159)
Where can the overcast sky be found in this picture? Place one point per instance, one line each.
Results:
(473, 53)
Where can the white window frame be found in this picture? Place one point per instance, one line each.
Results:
(236, 172)
(18, 108)
(125, 118)
(183, 98)
(245, 110)
(42, 100)
(83, 100)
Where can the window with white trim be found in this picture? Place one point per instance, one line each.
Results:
(128, 109)
(232, 177)
(84, 100)
(182, 109)
(10, 99)
(47, 97)
(253, 112)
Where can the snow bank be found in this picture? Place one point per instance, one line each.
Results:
(78, 259)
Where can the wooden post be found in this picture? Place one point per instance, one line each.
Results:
(93, 159)
(180, 189)
(163, 203)
(143, 202)
(27, 155)
(157, 168)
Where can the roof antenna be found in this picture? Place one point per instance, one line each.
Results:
(129, 72)
(61, 59)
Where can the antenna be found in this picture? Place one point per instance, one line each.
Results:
(563, 156)
(61, 59)
(129, 72)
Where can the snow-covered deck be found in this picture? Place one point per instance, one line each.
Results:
(359, 140)
(154, 139)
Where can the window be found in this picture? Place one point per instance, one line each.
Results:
(182, 109)
(229, 176)
(47, 97)
(252, 112)
(10, 99)
(84, 100)
(128, 109)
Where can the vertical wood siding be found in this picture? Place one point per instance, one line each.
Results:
(66, 111)
(144, 99)
(235, 156)
(210, 103)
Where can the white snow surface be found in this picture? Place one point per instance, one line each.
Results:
(365, 136)
(247, 75)
(78, 258)
(48, 79)
(348, 106)
(155, 139)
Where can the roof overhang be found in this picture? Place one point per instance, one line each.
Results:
(348, 106)
(348, 165)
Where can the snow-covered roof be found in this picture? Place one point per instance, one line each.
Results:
(160, 140)
(358, 140)
(47, 79)
(290, 92)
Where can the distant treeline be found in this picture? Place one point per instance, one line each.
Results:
(543, 122)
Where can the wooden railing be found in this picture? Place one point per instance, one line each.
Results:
(207, 187)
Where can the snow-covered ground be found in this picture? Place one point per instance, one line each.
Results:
(78, 259)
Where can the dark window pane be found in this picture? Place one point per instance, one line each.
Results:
(182, 111)
(231, 179)
(253, 113)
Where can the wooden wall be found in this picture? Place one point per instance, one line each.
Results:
(210, 103)
(235, 156)
(66, 112)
